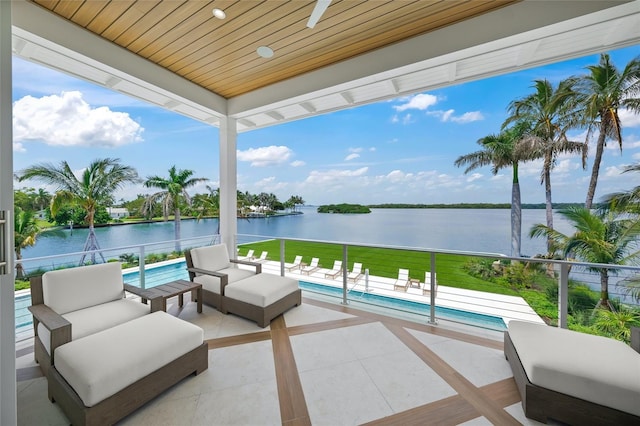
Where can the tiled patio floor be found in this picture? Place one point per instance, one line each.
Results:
(320, 364)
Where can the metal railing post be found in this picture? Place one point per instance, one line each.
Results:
(563, 295)
(141, 266)
(344, 275)
(282, 258)
(432, 292)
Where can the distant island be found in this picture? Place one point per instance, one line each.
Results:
(344, 208)
(541, 206)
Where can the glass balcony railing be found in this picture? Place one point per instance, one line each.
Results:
(484, 290)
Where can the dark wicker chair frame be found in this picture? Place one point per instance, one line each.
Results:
(261, 315)
(542, 404)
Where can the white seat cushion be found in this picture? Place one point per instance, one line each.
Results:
(97, 318)
(211, 283)
(261, 289)
(593, 368)
(100, 365)
(68, 290)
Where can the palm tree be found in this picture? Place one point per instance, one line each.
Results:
(173, 195)
(601, 237)
(26, 230)
(95, 188)
(294, 201)
(551, 113)
(499, 152)
(602, 92)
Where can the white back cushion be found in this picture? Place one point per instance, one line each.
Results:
(211, 258)
(68, 290)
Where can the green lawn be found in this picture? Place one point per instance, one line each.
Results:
(382, 262)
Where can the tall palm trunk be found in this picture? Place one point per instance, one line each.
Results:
(91, 245)
(19, 267)
(177, 229)
(604, 301)
(516, 214)
(596, 165)
(549, 205)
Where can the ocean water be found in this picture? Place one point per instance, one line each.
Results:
(480, 230)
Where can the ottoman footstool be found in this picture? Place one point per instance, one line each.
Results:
(102, 378)
(261, 297)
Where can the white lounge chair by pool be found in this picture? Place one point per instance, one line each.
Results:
(297, 264)
(333, 272)
(402, 283)
(262, 258)
(249, 256)
(312, 267)
(355, 273)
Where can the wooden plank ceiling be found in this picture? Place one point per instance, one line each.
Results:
(220, 55)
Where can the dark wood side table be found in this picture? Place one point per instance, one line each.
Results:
(159, 294)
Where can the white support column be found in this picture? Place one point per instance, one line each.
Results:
(228, 184)
(8, 408)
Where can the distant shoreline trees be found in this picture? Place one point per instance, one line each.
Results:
(344, 208)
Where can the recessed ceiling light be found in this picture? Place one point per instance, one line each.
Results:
(219, 13)
(265, 52)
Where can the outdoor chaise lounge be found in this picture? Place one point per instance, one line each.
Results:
(312, 267)
(249, 256)
(255, 296)
(211, 267)
(69, 304)
(262, 258)
(355, 273)
(402, 283)
(333, 272)
(109, 355)
(297, 264)
(427, 283)
(572, 377)
(101, 378)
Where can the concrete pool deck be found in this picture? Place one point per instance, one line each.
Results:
(504, 306)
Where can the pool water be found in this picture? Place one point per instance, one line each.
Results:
(476, 319)
(160, 274)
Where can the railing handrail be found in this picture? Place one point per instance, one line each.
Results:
(79, 253)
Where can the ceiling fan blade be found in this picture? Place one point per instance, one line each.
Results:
(318, 10)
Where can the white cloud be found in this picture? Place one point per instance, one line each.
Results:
(324, 177)
(420, 102)
(467, 117)
(636, 156)
(614, 171)
(297, 163)
(67, 120)
(351, 156)
(474, 176)
(266, 156)
(356, 150)
(269, 184)
(629, 118)
(18, 147)
(373, 149)
(396, 176)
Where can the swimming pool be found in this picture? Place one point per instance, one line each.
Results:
(473, 318)
(162, 273)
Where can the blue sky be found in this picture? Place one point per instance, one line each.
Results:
(397, 151)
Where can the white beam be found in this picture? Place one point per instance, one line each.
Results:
(8, 397)
(228, 184)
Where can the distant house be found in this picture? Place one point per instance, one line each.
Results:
(117, 212)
